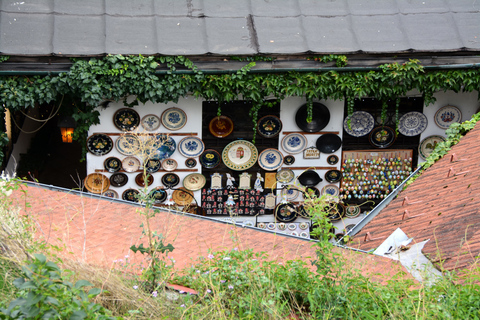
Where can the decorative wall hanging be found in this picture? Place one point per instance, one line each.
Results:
(270, 180)
(99, 144)
(140, 180)
(96, 183)
(352, 211)
(294, 143)
(210, 159)
(174, 119)
(158, 195)
(240, 155)
(182, 197)
(447, 115)
(289, 160)
(412, 124)
(194, 181)
(332, 159)
(333, 176)
(428, 145)
(269, 126)
(112, 164)
(131, 164)
(320, 117)
(285, 176)
(150, 122)
(221, 126)
(311, 153)
(361, 124)
(382, 137)
(128, 144)
(161, 147)
(126, 119)
(270, 159)
(216, 181)
(191, 147)
(190, 163)
(285, 212)
(292, 194)
(309, 178)
(110, 194)
(245, 181)
(330, 190)
(118, 179)
(169, 164)
(130, 195)
(328, 143)
(170, 180)
(152, 165)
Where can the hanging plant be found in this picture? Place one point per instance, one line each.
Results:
(309, 111)
(384, 112)
(253, 113)
(397, 105)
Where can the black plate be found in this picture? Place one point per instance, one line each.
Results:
(320, 117)
(335, 211)
(309, 178)
(302, 212)
(210, 159)
(170, 180)
(382, 137)
(118, 179)
(190, 163)
(152, 165)
(312, 191)
(158, 196)
(289, 160)
(269, 126)
(333, 176)
(329, 143)
(285, 212)
(99, 144)
(126, 119)
(130, 195)
(332, 159)
(112, 164)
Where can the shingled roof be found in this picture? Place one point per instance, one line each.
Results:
(442, 206)
(240, 27)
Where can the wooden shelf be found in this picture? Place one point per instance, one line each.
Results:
(319, 132)
(161, 170)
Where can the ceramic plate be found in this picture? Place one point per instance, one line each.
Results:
(150, 122)
(111, 194)
(96, 183)
(99, 144)
(130, 195)
(289, 160)
(312, 191)
(332, 159)
(270, 159)
(335, 212)
(161, 147)
(221, 126)
(428, 145)
(126, 119)
(210, 159)
(190, 163)
(158, 195)
(130, 164)
(128, 144)
(194, 181)
(352, 211)
(382, 137)
(361, 124)
(333, 176)
(140, 179)
(285, 176)
(112, 164)
(174, 119)
(330, 190)
(320, 117)
(292, 194)
(152, 165)
(170, 180)
(412, 124)
(118, 179)
(447, 115)
(182, 197)
(269, 126)
(285, 212)
(169, 164)
(191, 147)
(240, 155)
(294, 143)
(328, 143)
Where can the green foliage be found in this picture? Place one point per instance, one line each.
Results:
(4, 58)
(340, 60)
(252, 58)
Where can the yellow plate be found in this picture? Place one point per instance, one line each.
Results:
(97, 183)
(182, 197)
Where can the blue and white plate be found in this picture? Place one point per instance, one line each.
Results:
(360, 125)
(447, 115)
(330, 190)
(160, 147)
(270, 159)
(294, 143)
(174, 119)
(412, 124)
(292, 194)
(191, 147)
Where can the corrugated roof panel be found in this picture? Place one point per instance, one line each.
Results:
(422, 6)
(230, 36)
(31, 6)
(280, 35)
(469, 23)
(26, 33)
(83, 7)
(276, 8)
(181, 36)
(79, 35)
(130, 35)
(328, 8)
(129, 8)
(234, 9)
(372, 7)
(190, 8)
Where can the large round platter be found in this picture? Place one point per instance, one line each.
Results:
(269, 126)
(152, 165)
(294, 143)
(382, 137)
(128, 145)
(96, 183)
(118, 179)
(240, 155)
(110, 194)
(328, 143)
(112, 164)
(330, 190)
(126, 119)
(447, 115)
(361, 124)
(285, 176)
(412, 124)
(320, 117)
(210, 159)
(169, 164)
(270, 159)
(161, 147)
(99, 144)
(150, 122)
(221, 126)
(285, 212)
(428, 145)
(182, 197)
(158, 195)
(194, 181)
(170, 180)
(333, 176)
(140, 179)
(174, 119)
(191, 147)
(131, 164)
(130, 195)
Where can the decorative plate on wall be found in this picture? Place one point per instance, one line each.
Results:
(112, 164)
(309, 178)
(158, 195)
(294, 143)
(285, 212)
(118, 179)
(99, 144)
(174, 119)
(221, 126)
(191, 147)
(152, 165)
(333, 176)
(161, 147)
(361, 124)
(428, 145)
(289, 160)
(332, 159)
(285, 176)
(182, 197)
(210, 159)
(382, 137)
(240, 155)
(126, 119)
(412, 124)
(194, 181)
(270, 159)
(328, 143)
(447, 115)
(330, 190)
(128, 144)
(131, 164)
(96, 183)
(140, 179)
(111, 194)
(150, 122)
(169, 164)
(130, 195)
(320, 117)
(352, 211)
(292, 194)
(190, 163)
(269, 126)
(170, 180)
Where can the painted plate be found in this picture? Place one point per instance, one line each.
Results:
(111, 194)
(428, 145)
(191, 147)
(412, 124)
(210, 159)
(447, 115)
(112, 164)
(352, 211)
(169, 164)
(312, 191)
(161, 147)
(131, 164)
(128, 144)
(221, 126)
(126, 119)
(118, 179)
(194, 181)
(150, 122)
(174, 119)
(294, 143)
(330, 190)
(361, 124)
(332, 159)
(333, 176)
(269, 126)
(285, 212)
(130, 195)
(158, 195)
(285, 176)
(382, 137)
(140, 180)
(152, 165)
(270, 159)
(99, 144)
(96, 183)
(170, 180)
(190, 163)
(292, 194)
(240, 155)
(182, 197)
(335, 211)
(289, 160)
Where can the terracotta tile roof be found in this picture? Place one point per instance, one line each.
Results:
(440, 206)
(99, 231)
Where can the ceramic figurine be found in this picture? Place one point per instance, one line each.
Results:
(230, 181)
(258, 183)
